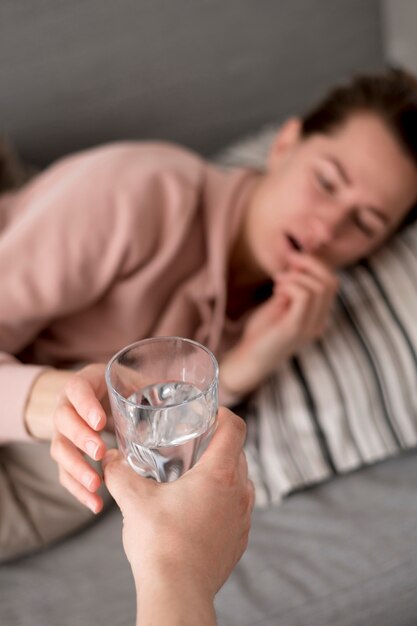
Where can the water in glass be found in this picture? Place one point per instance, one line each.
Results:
(174, 433)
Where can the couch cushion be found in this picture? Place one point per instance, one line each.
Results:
(341, 554)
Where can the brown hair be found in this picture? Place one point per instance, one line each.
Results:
(392, 95)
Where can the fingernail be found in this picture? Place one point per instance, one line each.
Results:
(94, 419)
(87, 480)
(92, 505)
(92, 448)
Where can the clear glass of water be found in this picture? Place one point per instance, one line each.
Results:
(163, 396)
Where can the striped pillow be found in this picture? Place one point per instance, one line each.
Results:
(349, 399)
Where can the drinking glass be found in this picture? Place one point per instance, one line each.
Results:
(163, 395)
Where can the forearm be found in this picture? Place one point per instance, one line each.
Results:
(42, 402)
(250, 361)
(241, 373)
(235, 377)
(167, 593)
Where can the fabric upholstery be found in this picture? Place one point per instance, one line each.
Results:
(341, 554)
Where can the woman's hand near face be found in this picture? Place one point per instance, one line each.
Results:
(297, 313)
(305, 293)
(78, 419)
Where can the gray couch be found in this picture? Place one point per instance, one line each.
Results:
(205, 73)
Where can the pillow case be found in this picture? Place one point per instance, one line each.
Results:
(349, 399)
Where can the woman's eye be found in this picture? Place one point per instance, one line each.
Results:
(325, 183)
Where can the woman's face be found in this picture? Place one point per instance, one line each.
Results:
(336, 196)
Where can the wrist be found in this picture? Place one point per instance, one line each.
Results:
(240, 372)
(174, 599)
(42, 401)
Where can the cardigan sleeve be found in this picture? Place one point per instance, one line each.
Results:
(70, 239)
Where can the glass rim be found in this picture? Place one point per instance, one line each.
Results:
(162, 338)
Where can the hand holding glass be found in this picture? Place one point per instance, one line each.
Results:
(163, 395)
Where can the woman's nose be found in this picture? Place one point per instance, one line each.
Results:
(324, 229)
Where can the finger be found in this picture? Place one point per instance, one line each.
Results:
(69, 423)
(266, 314)
(320, 299)
(228, 440)
(322, 312)
(84, 389)
(90, 500)
(311, 265)
(319, 284)
(309, 281)
(280, 303)
(319, 295)
(71, 460)
(299, 299)
(309, 314)
(122, 482)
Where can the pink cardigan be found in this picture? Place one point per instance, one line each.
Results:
(106, 247)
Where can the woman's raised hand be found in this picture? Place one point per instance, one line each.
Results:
(305, 294)
(79, 417)
(297, 313)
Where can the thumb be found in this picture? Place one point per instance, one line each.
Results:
(111, 456)
(122, 482)
(227, 442)
(94, 374)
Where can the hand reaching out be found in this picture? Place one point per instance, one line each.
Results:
(183, 538)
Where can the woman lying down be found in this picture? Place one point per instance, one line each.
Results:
(136, 239)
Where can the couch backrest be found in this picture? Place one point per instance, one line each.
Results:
(200, 72)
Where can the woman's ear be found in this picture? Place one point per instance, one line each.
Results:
(288, 135)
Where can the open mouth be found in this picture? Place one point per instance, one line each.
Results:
(294, 243)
